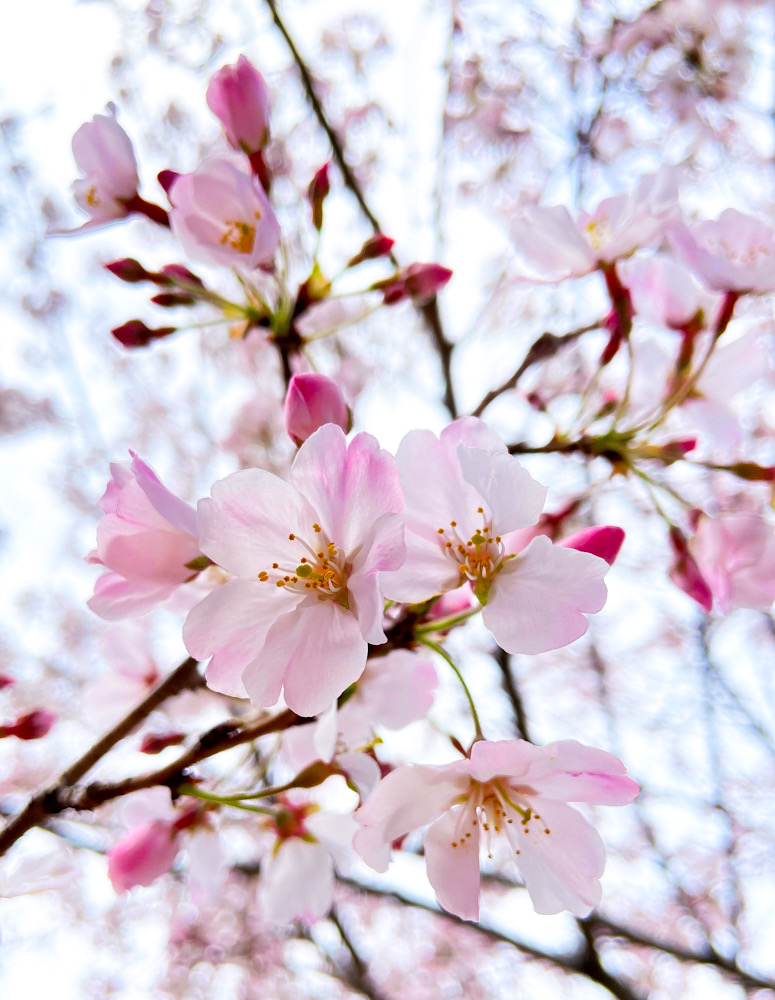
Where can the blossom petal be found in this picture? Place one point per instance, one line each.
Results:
(514, 498)
(297, 883)
(452, 861)
(537, 599)
(572, 772)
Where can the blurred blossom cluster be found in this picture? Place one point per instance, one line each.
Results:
(390, 462)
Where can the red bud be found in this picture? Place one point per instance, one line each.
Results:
(317, 194)
(128, 269)
(135, 333)
(32, 726)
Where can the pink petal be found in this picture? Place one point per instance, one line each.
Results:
(537, 599)
(453, 871)
(572, 772)
(297, 882)
(514, 498)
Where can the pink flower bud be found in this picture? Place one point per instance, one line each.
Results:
(423, 281)
(239, 97)
(178, 272)
(136, 334)
(156, 742)
(32, 726)
(143, 855)
(317, 192)
(128, 269)
(685, 573)
(314, 400)
(6, 681)
(375, 246)
(603, 541)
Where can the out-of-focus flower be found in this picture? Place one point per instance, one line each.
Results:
(511, 788)
(463, 495)
(736, 253)
(553, 246)
(146, 540)
(307, 557)
(143, 855)
(239, 98)
(103, 152)
(735, 554)
(222, 216)
(311, 401)
(297, 874)
(663, 291)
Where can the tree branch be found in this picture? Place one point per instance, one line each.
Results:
(547, 345)
(184, 677)
(430, 310)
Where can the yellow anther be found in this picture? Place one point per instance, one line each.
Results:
(263, 575)
(317, 527)
(280, 583)
(240, 236)
(480, 510)
(453, 524)
(440, 531)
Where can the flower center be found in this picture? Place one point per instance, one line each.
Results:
(240, 235)
(598, 232)
(321, 569)
(494, 806)
(478, 558)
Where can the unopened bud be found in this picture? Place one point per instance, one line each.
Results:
(130, 270)
(32, 726)
(423, 281)
(239, 98)
(603, 541)
(135, 333)
(317, 192)
(312, 401)
(179, 272)
(685, 573)
(375, 246)
(156, 742)
(169, 299)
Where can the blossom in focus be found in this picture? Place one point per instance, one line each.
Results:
(463, 495)
(735, 253)
(735, 553)
(103, 153)
(313, 400)
(146, 540)
(297, 874)
(239, 97)
(221, 215)
(508, 794)
(307, 557)
(553, 246)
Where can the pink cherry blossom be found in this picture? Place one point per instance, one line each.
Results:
(463, 495)
(146, 540)
(222, 216)
(392, 692)
(736, 253)
(307, 558)
(553, 246)
(311, 401)
(239, 97)
(735, 553)
(509, 788)
(103, 152)
(664, 292)
(297, 874)
(143, 855)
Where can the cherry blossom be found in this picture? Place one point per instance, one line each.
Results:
(222, 216)
(146, 540)
(735, 553)
(311, 401)
(509, 788)
(463, 495)
(736, 253)
(307, 558)
(297, 874)
(664, 292)
(103, 152)
(239, 97)
(552, 245)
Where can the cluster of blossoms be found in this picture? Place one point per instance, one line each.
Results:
(326, 595)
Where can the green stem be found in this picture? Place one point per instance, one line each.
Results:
(197, 793)
(445, 655)
(441, 624)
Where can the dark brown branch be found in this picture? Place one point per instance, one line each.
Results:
(182, 678)
(358, 975)
(429, 311)
(547, 345)
(578, 963)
